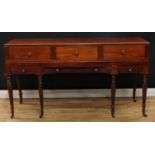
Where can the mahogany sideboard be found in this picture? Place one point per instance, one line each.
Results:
(83, 55)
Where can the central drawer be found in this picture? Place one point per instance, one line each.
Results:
(71, 70)
(29, 53)
(87, 53)
(124, 52)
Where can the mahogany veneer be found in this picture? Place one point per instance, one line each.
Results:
(94, 55)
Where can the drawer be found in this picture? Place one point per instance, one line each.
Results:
(88, 53)
(24, 69)
(72, 70)
(130, 68)
(59, 70)
(124, 52)
(29, 53)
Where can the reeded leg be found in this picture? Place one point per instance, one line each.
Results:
(10, 91)
(19, 88)
(134, 88)
(41, 95)
(113, 92)
(144, 95)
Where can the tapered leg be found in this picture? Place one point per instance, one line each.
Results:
(144, 95)
(134, 88)
(10, 91)
(41, 95)
(113, 92)
(19, 88)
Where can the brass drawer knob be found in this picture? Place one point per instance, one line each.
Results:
(123, 52)
(76, 53)
(29, 54)
(130, 69)
(57, 70)
(96, 69)
(23, 70)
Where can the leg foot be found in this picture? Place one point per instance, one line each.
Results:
(113, 112)
(41, 115)
(145, 115)
(12, 116)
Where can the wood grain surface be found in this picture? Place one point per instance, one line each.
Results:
(74, 41)
(78, 110)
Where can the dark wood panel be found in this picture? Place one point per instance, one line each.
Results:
(77, 53)
(60, 70)
(76, 41)
(22, 69)
(130, 69)
(124, 52)
(30, 53)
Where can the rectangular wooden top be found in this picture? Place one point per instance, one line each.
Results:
(75, 41)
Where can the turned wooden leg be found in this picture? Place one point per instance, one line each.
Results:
(41, 95)
(134, 88)
(19, 89)
(144, 95)
(113, 92)
(10, 91)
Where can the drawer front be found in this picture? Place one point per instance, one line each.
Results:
(29, 53)
(59, 70)
(77, 53)
(71, 70)
(131, 69)
(124, 52)
(24, 69)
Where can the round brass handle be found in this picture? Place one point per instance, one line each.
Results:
(29, 54)
(77, 53)
(96, 69)
(123, 52)
(57, 70)
(23, 70)
(130, 69)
